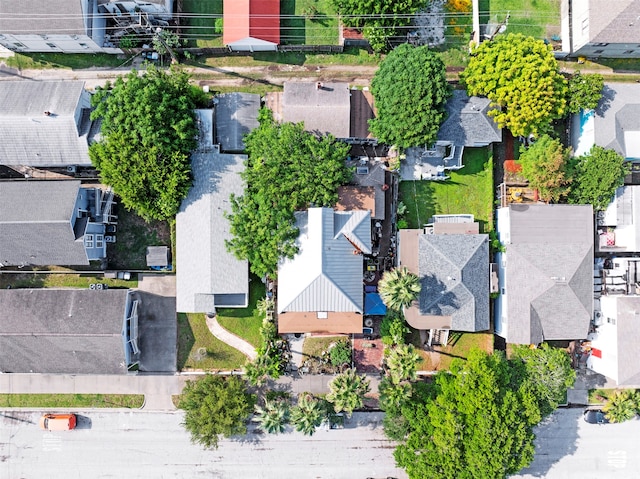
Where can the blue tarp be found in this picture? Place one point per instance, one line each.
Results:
(373, 305)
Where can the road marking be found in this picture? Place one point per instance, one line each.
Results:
(51, 442)
(617, 459)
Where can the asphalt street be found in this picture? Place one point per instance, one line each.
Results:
(117, 444)
(569, 448)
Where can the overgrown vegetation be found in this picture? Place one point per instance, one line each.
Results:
(133, 401)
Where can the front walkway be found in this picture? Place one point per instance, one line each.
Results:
(231, 339)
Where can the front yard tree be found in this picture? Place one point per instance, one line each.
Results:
(546, 165)
(308, 414)
(411, 90)
(621, 405)
(398, 288)
(273, 416)
(402, 363)
(477, 422)
(585, 91)
(596, 176)
(520, 76)
(148, 132)
(287, 170)
(347, 391)
(216, 406)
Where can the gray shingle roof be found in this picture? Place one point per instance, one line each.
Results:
(22, 17)
(617, 114)
(549, 272)
(326, 275)
(454, 272)
(35, 223)
(467, 123)
(206, 274)
(614, 22)
(323, 110)
(29, 137)
(62, 331)
(236, 115)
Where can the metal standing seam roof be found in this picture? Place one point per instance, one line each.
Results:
(326, 109)
(245, 20)
(66, 331)
(549, 272)
(30, 137)
(24, 17)
(35, 223)
(207, 275)
(236, 115)
(325, 275)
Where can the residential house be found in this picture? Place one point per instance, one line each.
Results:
(207, 275)
(321, 288)
(468, 124)
(251, 25)
(599, 28)
(53, 223)
(612, 341)
(545, 272)
(77, 26)
(614, 124)
(45, 124)
(68, 331)
(452, 261)
(236, 114)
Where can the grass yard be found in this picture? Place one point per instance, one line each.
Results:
(74, 61)
(246, 322)
(458, 346)
(470, 190)
(199, 349)
(59, 280)
(132, 401)
(133, 236)
(200, 32)
(308, 22)
(536, 18)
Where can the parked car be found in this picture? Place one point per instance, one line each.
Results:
(595, 416)
(58, 422)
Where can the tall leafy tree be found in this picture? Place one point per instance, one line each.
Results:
(477, 423)
(398, 288)
(215, 406)
(394, 395)
(148, 131)
(520, 76)
(379, 19)
(596, 176)
(584, 92)
(347, 390)
(273, 416)
(308, 414)
(411, 90)
(546, 165)
(402, 362)
(288, 169)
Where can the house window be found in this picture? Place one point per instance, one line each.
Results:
(503, 290)
(88, 241)
(99, 241)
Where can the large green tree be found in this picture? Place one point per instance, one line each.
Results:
(585, 91)
(288, 169)
(520, 76)
(148, 131)
(477, 423)
(596, 176)
(216, 406)
(411, 90)
(379, 19)
(308, 414)
(546, 165)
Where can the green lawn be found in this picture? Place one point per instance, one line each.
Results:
(314, 347)
(65, 60)
(133, 401)
(58, 280)
(537, 18)
(458, 346)
(245, 322)
(470, 190)
(199, 349)
(308, 22)
(200, 31)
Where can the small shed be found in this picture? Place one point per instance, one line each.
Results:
(157, 256)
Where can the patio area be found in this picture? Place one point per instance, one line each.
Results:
(431, 163)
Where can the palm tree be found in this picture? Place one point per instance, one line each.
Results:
(399, 288)
(308, 414)
(273, 416)
(392, 396)
(347, 391)
(402, 363)
(621, 406)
